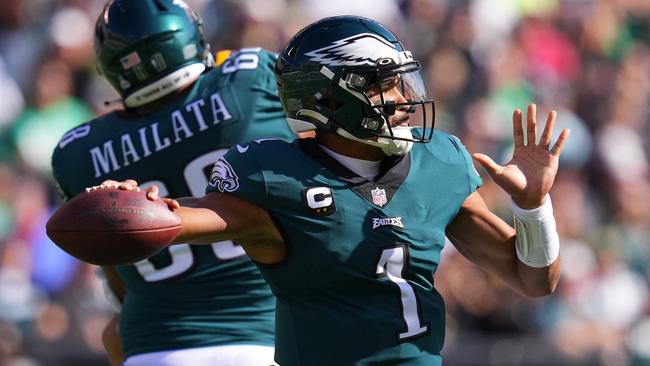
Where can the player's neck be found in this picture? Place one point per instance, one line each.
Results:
(349, 148)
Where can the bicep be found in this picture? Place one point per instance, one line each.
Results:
(484, 238)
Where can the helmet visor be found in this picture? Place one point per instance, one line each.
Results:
(400, 101)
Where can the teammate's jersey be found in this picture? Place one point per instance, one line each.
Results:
(186, 296)
(356, 287)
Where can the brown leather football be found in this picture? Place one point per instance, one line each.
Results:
(111, 227)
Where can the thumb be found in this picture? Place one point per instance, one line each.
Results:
(487, 163)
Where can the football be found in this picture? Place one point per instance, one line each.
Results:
(111, 227)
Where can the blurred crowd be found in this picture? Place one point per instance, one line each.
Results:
(587, 59)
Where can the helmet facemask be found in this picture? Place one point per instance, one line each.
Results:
(394, 102)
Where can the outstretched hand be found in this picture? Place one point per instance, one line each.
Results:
(132, 185)
(529, 175)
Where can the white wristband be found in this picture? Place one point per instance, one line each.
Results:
(537, 244)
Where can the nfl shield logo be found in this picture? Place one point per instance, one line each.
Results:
(378, 196)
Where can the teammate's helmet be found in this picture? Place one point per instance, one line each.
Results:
(329, 76)
(149, 48)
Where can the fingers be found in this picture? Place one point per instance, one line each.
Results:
(127, 185)
(531, 124)
(517, 129)
(171, 203)
(545, 141)
(559, 144)
(492, 168)
(105, 184)
(152, 192)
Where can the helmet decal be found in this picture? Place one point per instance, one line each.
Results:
(130, 60)
(360, 49)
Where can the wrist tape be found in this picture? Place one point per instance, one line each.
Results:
(537, 244)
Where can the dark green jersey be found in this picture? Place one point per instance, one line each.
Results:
(356, 287)
(186, 296)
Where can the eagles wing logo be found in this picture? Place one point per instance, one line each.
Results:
(361, 49)
(223, 177)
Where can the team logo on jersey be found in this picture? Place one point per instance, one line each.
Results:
(223, 177)
(319, 201)
(379, 196)
(378, 222)
(361, 49)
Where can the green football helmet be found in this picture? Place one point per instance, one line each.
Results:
(148, 48)
(351, 75)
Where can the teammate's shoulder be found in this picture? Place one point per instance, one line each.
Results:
(74, 135)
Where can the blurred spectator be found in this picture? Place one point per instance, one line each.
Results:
(37, 130)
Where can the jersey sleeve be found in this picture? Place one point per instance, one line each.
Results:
(238, 172)
(474, 179)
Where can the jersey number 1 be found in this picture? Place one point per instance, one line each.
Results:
(392, 264)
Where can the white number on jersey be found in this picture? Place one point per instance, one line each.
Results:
(392, 264)
(244, 59)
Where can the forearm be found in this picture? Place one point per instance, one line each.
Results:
(537, 246)
(200, 225)
(489, 242)
(218, 217)
(538, 281)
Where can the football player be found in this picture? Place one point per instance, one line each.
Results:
(187, 305)
(347, 228)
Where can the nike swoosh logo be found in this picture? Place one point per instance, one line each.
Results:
(242, 149)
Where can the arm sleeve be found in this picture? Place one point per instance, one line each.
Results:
(238, 172)
(474, 179)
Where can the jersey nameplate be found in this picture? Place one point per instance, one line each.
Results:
(183, 123)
